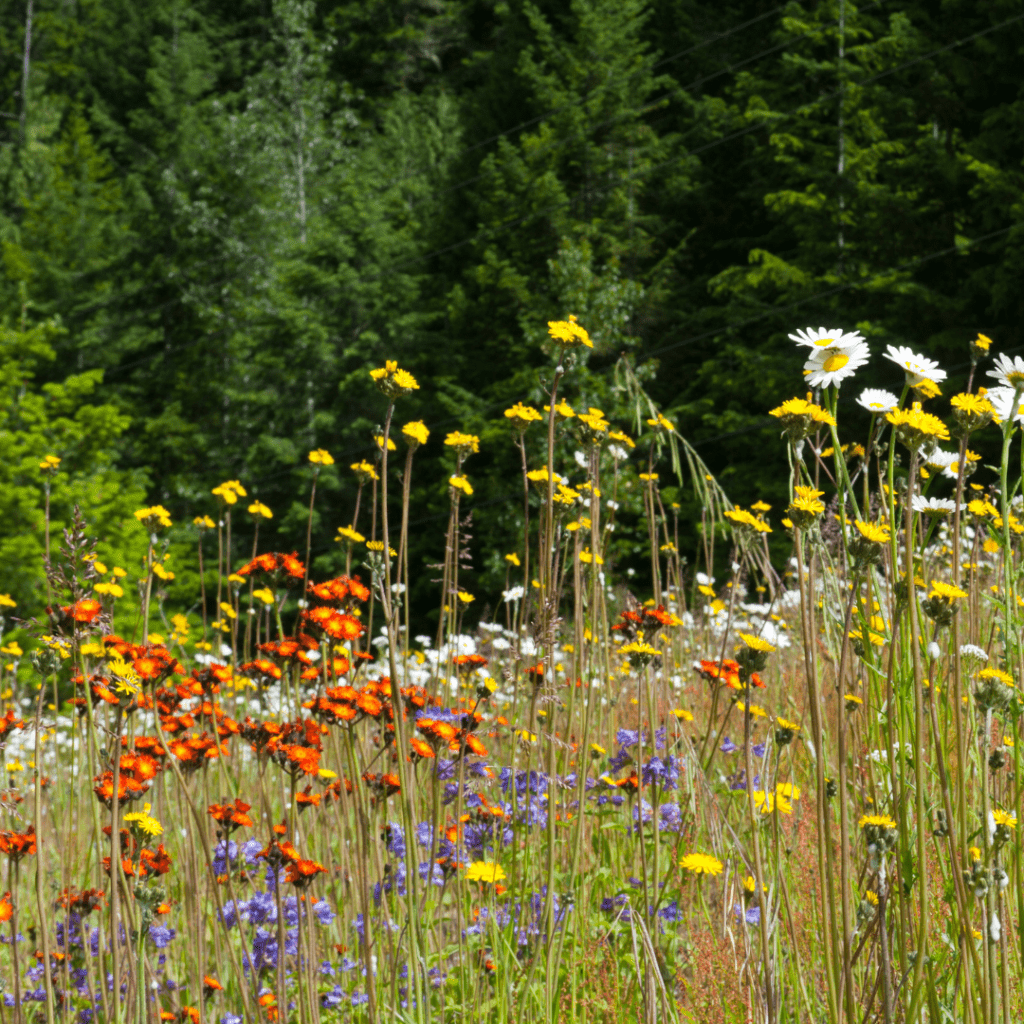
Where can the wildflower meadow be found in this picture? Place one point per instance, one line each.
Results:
(774, 787)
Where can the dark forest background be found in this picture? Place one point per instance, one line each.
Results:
(216, 215)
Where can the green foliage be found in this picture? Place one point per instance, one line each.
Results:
(236, 209)
(62, 419)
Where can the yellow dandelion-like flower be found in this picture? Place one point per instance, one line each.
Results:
(264, 594)
(392, 381)
(485, 871)
(618, 435)
(512, 559)
(682, 714)
(878, 820)
(568, 333)
(982, 508)
(588, 557)
(154, 518)
(946, 590)
(660, 422)
(460, 483)
(379, 441)
(701, 864)
(260, 511)
(744, 519)
(1004, 818)
(378, 545)
(876, 533)
(204, 522)
(50, 464)
(415, 433)
(871, 897)
(996, 673)
(465, 444)
(144, 821)
(6, 601)
(465, 597)
(595, 421)
(757, 643)
(349, 534)
(521, 416)
(364, 470)
(639, 647)
(783, 723)
(321, 457)
(914, 426)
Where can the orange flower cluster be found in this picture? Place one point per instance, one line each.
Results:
(152, 662)
(195, 752)
(382, 786)
(136, 774)
(728, 672)
(230, 816)
(136, 861)
(7, 724)
(643, 620)
(466, 663)
(18, 844)
(282, 568)
(327, 621)
(344, 704)
(457, 739)
(81, 903)
(340, 590)
(83, 612)
(301, 873)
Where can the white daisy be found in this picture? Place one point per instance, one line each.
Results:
(1002, 400)
(934, 506)
(821, 338)
(828, 366)
(1009, 372)
(878, 401)
(939, 459)
(917, 368)
(952, 471)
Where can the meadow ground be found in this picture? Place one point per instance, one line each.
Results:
(767, 792)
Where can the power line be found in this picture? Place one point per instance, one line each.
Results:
(496, 230)
(835, 290)
(555, 144)
(757, 125)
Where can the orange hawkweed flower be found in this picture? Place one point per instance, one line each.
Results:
(231, 816)
(369, 704)
(301, 873)
(474, 746)
(269, 1004)
(421, 748)
(211, 985)
(155, 863)
(6, 907)
(307, 798)
(18, 844)
(85, 610)
(189, 1013)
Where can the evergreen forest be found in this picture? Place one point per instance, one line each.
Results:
(216, 216)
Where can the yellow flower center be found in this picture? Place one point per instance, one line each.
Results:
(1016, 379)
(836, 362)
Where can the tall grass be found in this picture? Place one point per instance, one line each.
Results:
(770, 792)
